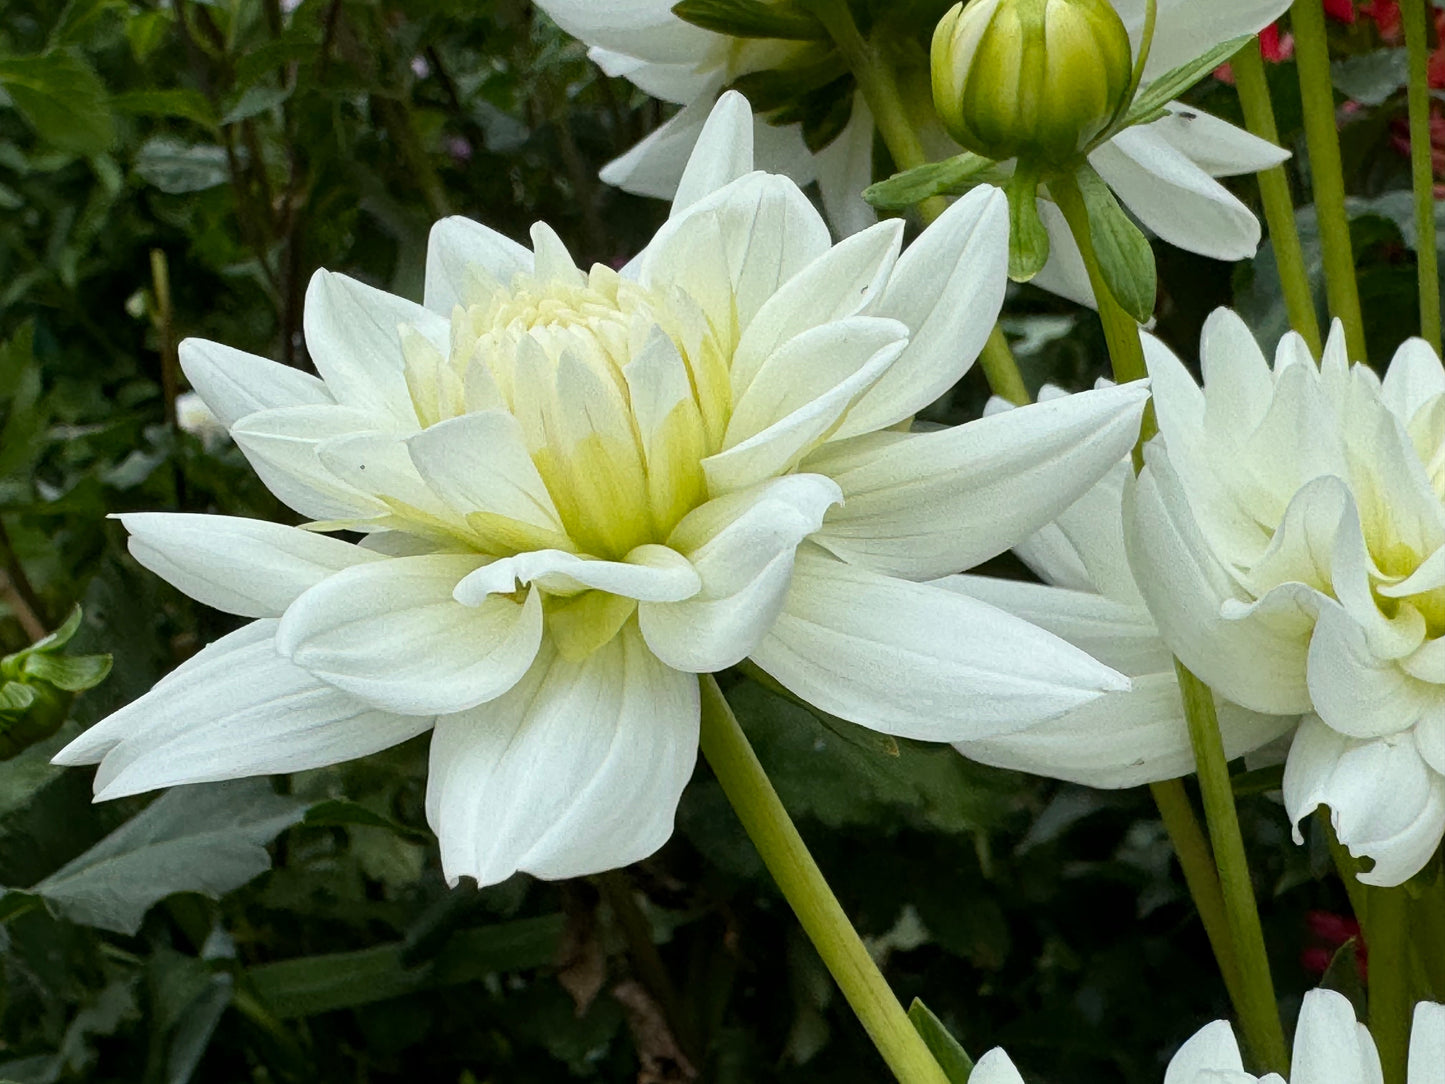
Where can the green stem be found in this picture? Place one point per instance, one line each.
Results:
(1001, 370)
(1327, 178)
(1422, 170)
(878, 83)
(1126, 350)
(797, 875)
(1192, 850)
(1388, 942)
(1274, 192)
(1258, 1010)
(1348, 867)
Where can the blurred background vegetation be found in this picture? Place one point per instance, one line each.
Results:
(181, 168)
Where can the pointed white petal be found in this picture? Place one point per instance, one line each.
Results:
(654, 166)
(1214, 145)
(236, 709)
(1174, 197)
(651, 573)
(465, 261)
(935, 503)
(641, 28)
(742, 547)
(947, 288)
(380, 464)
(234, 383)
(1211, 1049)
(1123, 739)
(242, 566)
(1414, 377)
(1330, 1045)
(351, 332)
(1185, 29)
(575, 771)
(917, 661)
(1238, 384)
(678, 83)
(391, 633)
(281, 445)
(722, 154)
(479, 463)
(995, 1068)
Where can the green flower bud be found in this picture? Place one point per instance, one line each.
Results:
(1030, 79)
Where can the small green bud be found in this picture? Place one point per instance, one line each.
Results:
(1031, 79)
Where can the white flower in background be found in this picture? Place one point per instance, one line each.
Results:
(581, 489)
(1163, 172)
(1288, 534)
(1330, 1047)
(195, 418)
(1089, 598)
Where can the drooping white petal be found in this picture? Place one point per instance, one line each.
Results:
(1427, 1045)
(678, 83)
(466, 260)
(281, 446)
(576, 770)
(234, 383)
(1174, 197)
(351, 333)
(1215, 146)
(651, 573)
(641, 28)
(236, 709)
(242, 566)
(1259, 662)
(1185, 29)
(653, 167)
(917, 661)
(1123, 739)
(934, 503)
(742, 546)
(722, 154)
(845, 168)
(1355, 691)
(1330, 1045)
(948, 288)
(391, 633)
(1083, 547)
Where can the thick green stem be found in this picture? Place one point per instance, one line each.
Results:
(1422, 170)
(1001, 370)
(1126, 351)
(1192, 850)
(1258, 1010)
(797, 875)
(1327, 178)
(878, 83)
(1274, 191)
(1388, 941)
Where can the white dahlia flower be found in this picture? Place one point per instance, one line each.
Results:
(1089, 598)
(1288, 535)
(1163, 172)
(579, 490)
(1330, 1047)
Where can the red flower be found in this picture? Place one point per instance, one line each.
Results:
(1341, 11)
(1332, 931)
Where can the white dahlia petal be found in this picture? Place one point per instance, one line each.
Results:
(234, 383)
(242, 566)
(995, 1067)
(281, 445)
(466, 260)
(1427, 1045)
(391, 633)
(1330, 1045)
(615, 737)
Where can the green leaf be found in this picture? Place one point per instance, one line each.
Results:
(753, 18)
(1343, 976)
(14, 902)
(146, 30)
(946, 178)
(254, 101)
(62, 98)
(57, 639)
(1125, 258)
(1153, 98)
(186, 104)
(1371, 78)
(72, 673)
(775, 88)
(15, 698)
(1028, 241)
(176, 167)
(345, 980)
(341, 812)
(951, 1057)
(208, 838)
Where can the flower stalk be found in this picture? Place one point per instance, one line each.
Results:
(1259, 1012)
(1389, 978)
(786, 855)
(1312, 58)
(1422, 170)
(1249, 81)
